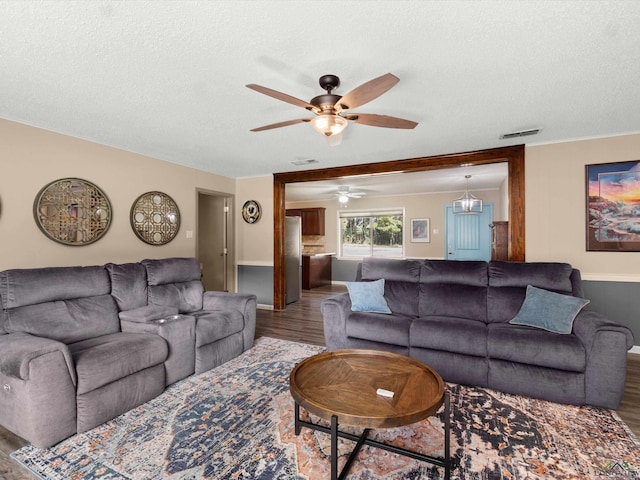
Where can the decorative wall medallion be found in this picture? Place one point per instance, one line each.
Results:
(72, 211)
(155, 218)
(251, 211)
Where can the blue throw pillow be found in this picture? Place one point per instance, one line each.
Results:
(368, 296)
(549, 310)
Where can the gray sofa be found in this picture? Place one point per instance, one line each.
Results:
(82, 345)
(454, 316)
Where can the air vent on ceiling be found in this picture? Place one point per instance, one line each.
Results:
(521, 133)
(305, 162)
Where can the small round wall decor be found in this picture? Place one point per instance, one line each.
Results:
(155, 218)
(251, 211)
(72, 211)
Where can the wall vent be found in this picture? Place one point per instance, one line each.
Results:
(521, 133)
(305, 162)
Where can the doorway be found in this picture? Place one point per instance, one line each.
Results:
(468, 235)
(214, 240)
(513, 156)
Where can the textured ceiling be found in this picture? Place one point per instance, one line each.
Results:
(167, 78)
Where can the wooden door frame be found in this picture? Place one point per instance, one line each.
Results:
(513, 156)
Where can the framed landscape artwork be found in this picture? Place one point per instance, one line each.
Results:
(613, 207)
(420, 230)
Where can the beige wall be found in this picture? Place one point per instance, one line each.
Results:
(255, 240)
(30, 158)
(555, 205)
(554, 211)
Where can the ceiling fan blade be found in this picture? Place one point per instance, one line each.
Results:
(281, 96)
(381, 120)
(367, 92)
(281, 124)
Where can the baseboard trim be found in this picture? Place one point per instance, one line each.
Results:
(264, 306)
(610, 277)
(254, 264)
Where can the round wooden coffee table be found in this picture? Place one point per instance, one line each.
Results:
(368, 389)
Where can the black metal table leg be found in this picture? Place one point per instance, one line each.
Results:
(354, 454)
(334, 447)
(364, 440)
(447, 439)
(296, 420)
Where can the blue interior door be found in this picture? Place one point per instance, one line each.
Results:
(468, 235)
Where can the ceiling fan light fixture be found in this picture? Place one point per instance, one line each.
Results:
(343, 198)
(334, 140)
(329, 124)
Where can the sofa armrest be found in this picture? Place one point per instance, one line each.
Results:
(147, 314)
(38, 398)
(606, 344)
(20, 349)
(245, 302)
(588, 324)
(227, 301)
(335, 311)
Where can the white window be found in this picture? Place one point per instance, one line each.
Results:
(372, 233)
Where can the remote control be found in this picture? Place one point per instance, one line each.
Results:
(384, 393)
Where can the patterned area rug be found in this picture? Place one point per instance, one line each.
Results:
(236, 422)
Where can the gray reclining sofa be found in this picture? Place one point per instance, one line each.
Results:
(454, 316)
(82, 345)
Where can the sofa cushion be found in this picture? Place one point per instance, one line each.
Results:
(175, 282)
(148, 313)
(392, 270)
(128, 284)
(449, 334)
(171, 270)
(533, 346)
(508, 283)
(368, 296)
(548, 275)
(469, 272)
(451, 300)
(102, 360)
(212, 326)
(67, 321)
(401, 277)
(185, 296)
(23, 287)
(549, 310)
(378, 327)
(453, 289)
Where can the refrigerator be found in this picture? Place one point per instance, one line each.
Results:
(293, 259)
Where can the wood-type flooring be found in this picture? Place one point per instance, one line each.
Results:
(302, 322)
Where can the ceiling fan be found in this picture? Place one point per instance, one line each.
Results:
(344, 194)
(331, 118)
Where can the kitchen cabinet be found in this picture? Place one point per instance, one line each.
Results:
(316, 271)
(500, 241)
(312, 219)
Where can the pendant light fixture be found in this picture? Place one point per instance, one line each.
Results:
(467, 203)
